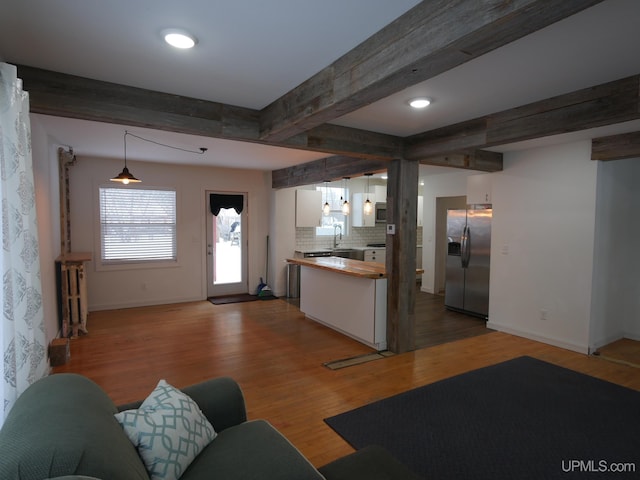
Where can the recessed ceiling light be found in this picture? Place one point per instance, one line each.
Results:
(179, 38)
(421, 102)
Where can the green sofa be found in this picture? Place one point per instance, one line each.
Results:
(64, 425)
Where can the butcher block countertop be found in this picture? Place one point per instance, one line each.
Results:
(347, 266)
(355, 268)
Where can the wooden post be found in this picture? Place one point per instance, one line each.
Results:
(402, 206)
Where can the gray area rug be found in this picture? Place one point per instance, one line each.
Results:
(520, 419)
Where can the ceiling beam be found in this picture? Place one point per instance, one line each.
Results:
(616, 147)
(325, 169)
(606, 104)
(482, 160)
(339, 166)
(62, 95)
(431, 38)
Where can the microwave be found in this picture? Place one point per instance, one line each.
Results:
(381, 212)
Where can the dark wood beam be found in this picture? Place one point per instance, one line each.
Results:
(429, 39)
(606, 104)
(330, 168)
(616, 147)
(402, 205)
(481, 160)
(354, 142)
(63, 95)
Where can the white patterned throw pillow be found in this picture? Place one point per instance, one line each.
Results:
(169, 430)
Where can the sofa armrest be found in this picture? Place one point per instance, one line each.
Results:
(220, 399)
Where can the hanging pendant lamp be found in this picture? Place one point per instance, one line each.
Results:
(345, 205)
(368, 205)
(326, 208)
(125, 177)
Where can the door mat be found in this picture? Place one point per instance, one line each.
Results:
(358, 360)
(244, 297)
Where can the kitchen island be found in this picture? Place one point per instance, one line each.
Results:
(347, 295)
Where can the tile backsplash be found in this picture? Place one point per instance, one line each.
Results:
(306, 238)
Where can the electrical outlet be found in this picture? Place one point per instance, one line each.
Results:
(543, 314)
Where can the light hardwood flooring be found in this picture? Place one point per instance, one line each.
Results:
(276, 355)
(625, 351)
(435, 325)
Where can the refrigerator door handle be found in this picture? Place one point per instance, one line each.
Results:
(464, 247)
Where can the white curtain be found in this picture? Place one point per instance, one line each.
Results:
(22, 334)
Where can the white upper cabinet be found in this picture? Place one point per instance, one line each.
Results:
(358, 218)
(478, 189)
(308, 208)
(377, 193)
(380, 192)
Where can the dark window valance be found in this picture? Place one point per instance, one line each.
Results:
(219, 201)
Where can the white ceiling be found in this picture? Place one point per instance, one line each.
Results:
(250, 52)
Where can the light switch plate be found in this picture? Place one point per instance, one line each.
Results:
(391, 229)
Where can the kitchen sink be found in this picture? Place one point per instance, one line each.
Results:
(352, 253)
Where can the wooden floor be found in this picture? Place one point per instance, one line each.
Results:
(435, 325)
(276, 355)
(625, 351)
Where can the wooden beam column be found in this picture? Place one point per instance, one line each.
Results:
(616, 147)
(402, 207)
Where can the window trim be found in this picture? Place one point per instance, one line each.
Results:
(136, 264)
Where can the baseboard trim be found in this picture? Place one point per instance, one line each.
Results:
(149, 303)
(539, 338)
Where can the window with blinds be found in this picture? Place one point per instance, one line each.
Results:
(137, 225)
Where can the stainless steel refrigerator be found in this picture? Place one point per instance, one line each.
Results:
(468, 261)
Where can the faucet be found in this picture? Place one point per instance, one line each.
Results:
(335, 234)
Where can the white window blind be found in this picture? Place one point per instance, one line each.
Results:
(137, 224)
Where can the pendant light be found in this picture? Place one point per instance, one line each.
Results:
(345, 205)
(125, 177)
(368, 206)
(326, 209)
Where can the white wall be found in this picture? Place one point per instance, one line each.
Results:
(45, 166)
(543, 243)
(616, 287)
(440, 185)
(186, 281)
(282, 238)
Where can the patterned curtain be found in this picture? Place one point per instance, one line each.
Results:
(22, 334)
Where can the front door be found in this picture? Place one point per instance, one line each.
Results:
(226, 245)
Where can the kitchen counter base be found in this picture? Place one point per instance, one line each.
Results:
(353, 305)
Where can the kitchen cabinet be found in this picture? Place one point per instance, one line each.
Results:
(479, 189)
(377, 193)
(308, 208)
(377, 255)
(328, 287)
(358, 218)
